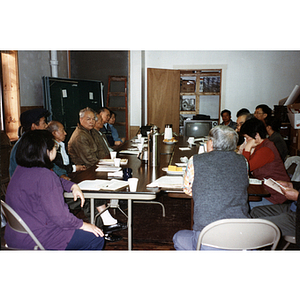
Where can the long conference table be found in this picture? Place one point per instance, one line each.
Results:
(169, 154)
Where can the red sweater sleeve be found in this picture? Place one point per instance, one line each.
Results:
(259, 158)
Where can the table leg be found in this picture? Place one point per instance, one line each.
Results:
(192, 213)
(129, 224)
(92, 203)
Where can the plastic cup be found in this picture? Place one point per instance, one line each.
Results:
(133, 182)
(140, 147)
(201, 149)
(117, 162)
(113, 154)
(191, 140)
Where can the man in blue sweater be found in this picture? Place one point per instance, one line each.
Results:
(33, 119)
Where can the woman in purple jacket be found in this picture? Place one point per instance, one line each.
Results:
(35, 192)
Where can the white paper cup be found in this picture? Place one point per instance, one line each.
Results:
(191, 140)
(133, 182)
(201, 149)
(139, 136)
(117, 162)
(113, 154)
(140, 147)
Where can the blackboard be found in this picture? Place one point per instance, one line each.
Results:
(64, 98)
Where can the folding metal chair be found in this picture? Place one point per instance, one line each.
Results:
(17, 224)
(239, 234)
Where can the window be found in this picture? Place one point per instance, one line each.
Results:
(10, 94)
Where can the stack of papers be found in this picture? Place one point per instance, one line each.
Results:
(105, 185)
(185, 148)
(136, 152)
(115, 174)
(108, 161)
(105, 168)
(170, 182)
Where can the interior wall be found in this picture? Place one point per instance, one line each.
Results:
(33, 65)
(250, 77)
(98, 65)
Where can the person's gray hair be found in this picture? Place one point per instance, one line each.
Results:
(84, 110)
(223, 138)
(53, 126)
(249, 116)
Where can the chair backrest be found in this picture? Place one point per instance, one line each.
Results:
(239, 234)
(17, 224)
(292, 165)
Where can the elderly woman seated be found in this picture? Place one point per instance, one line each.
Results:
(263, 158)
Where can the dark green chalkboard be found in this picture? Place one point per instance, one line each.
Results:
(65, 97)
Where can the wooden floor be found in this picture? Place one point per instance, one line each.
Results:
(152, 231)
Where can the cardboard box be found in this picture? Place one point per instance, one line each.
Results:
(187, 86)
(295, 138)
(294, 115)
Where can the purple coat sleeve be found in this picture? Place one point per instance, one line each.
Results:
(66, 184)
(56, 209)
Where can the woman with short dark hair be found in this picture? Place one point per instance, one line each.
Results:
(263, 158)
(35, 192)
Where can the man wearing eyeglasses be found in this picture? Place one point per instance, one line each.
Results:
(262, 111)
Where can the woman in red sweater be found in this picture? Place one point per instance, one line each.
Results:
(265, 161)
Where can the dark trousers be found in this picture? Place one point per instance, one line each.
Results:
(84, 240)
(86, 208)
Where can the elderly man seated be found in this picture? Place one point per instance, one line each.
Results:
(218, 181)
(85, 148)
(103, 139)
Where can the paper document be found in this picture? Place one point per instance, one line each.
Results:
(105, 185)
(274, 185)
(108, 161)
(136, 152)
(171, 182)
(115, 174)
(184, 148)
(255, 181)
(105, 168)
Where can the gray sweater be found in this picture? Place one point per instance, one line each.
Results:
(219, 187)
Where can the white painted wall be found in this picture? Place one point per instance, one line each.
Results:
(249, 77)
(135, 88)
(33, 65)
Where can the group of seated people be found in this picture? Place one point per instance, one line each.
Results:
(40, 168)
(218, 180)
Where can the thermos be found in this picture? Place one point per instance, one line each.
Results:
(153, 147)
